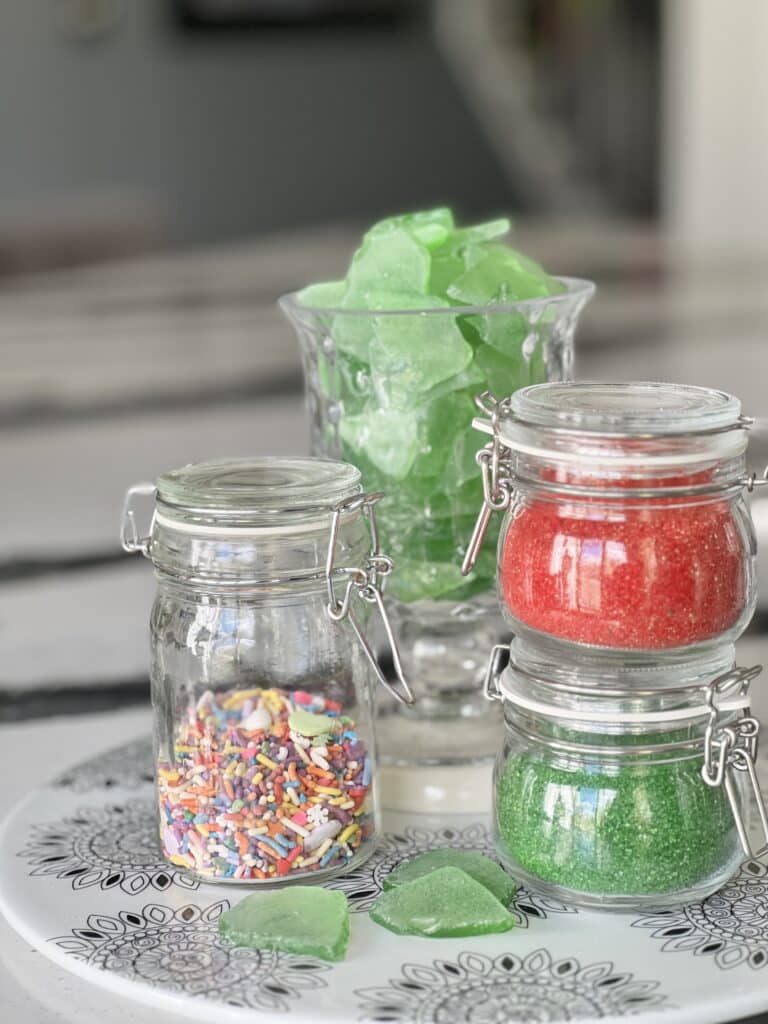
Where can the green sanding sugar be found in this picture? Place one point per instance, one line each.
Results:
(637, 829)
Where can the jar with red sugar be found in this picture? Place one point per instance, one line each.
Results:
(626, 527)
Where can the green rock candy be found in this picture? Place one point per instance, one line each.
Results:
(311, 725)
(482, 869)
(446, 903)
(387, 377)
(302, 919)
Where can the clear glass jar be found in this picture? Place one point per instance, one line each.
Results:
(262, 689)
(626, 527)
(601, 798)
(392, 391)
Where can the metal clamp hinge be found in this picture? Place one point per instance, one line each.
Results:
(491, 689)
(131, 538)
(733, 748)
(497, 487)
(368, 583)
(755, 480)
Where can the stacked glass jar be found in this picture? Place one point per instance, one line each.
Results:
(626, 571)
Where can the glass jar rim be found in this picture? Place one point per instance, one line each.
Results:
(576, 288)
(262, 492)
(634, 409)
(638, 673)
(515, 694)
(678, 694)
(607, 427)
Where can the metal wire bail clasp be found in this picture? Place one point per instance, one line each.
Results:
(491, 689)
(733, 747)
(368, 583)
(497, 489)
(131, 538)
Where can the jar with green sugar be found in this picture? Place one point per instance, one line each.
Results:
(625, 789)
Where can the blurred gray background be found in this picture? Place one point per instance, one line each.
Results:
(170, 167)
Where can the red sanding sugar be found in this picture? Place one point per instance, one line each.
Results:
(655, 577)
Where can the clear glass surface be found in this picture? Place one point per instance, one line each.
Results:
(599, 819)
(393, 392)
(257, 491)
(641, 408)
(640, 562)
(264, 735)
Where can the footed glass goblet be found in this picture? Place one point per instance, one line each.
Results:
(392, 391)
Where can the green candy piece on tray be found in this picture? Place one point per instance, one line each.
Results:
(306, 919)
(446, 903)
(482, 869)
(308, 724)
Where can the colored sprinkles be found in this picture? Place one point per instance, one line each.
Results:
(265, 784)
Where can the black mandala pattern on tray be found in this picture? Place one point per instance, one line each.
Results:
(113, 846)
(478, 989)
(129, 767)
(364, 885)
(730, 926)
(180, 951)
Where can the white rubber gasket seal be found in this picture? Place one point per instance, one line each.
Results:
(310, 525)
(509, 693)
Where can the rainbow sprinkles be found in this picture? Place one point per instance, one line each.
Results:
(266, 784)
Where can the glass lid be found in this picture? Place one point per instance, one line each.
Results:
(628, 695)
(257, 490)
(624, 424)
(637, 408)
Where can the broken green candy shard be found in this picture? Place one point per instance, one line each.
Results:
(307, 724)
(353, 330)
(417, 580)
(308, 920)
(482, 869)
(484, 232)
(503, 275)
(324, 295)
(393, 261)
(429, 227)
(446, 903)
(412, 354)
(388, 438)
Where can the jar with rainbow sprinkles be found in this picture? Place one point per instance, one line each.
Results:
(262, 676)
